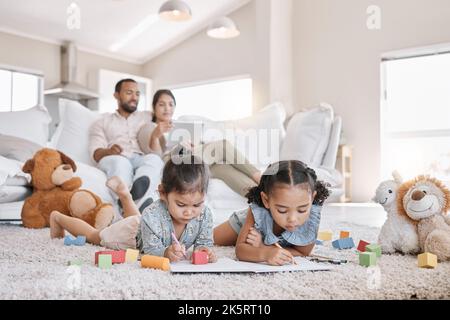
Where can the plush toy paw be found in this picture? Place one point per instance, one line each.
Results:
(104, 217)
(81, 202)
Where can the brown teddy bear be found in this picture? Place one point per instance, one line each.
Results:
(55, 188)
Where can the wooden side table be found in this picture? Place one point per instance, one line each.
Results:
(344, 166)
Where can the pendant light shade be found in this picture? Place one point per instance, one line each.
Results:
(223, 28)
(175, 10)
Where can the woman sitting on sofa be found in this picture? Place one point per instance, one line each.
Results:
(231, 166)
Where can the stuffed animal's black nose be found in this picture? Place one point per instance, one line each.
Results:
(417, 195)
(67, 167)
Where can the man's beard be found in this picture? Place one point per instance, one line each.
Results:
(127, 108)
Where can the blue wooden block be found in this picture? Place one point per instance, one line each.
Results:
(68, 240)
(345, 243)
(78, 241)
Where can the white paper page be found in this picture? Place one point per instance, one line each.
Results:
(227, 265)
(302, 265)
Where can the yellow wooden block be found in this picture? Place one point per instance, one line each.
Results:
(427, 260)
(131, 255)
(325, 235)
(344, 234)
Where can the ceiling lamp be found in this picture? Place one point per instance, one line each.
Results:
(223, 28)
(175, 10)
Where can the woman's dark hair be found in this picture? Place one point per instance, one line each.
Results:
(185, 174)
(158, 95)
(292, 172)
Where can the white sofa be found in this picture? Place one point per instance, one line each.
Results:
(311, 136)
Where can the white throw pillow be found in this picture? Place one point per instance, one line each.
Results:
(9, 169)
(308, 134)
(17, 148)
(72, 135)
(258, 137)
(31, 124)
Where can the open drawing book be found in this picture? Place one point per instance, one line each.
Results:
(227, 265)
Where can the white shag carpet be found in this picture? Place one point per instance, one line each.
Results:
(34, 267)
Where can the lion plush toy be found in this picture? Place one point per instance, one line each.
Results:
(56, 189)
(427, 200)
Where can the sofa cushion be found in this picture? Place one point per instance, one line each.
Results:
(307, 135)
(258, 137)
(17, 148)
(31, 124)
(72, 134)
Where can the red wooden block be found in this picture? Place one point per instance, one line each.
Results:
(362, 245)
(200, 257)
(117, 256)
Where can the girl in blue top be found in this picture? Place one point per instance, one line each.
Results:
(284, 209)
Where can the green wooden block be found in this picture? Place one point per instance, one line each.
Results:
(367, 259)
(104, 261)
(374, 248)
(76, 262)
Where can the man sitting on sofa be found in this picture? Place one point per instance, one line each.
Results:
(113, 145)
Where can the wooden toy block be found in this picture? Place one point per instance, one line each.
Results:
(374, 248)
(325, 235)
(117, 256)
(200, 257)
(362, 245)
(345, 243)
(155, 262)
(131, 255)
(78, 241)
(104, 261)
(367, 259)
(319, 243)
(344, 234)
(76, 262)
(427, 260)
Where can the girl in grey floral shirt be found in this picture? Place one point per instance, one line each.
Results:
(180, 213)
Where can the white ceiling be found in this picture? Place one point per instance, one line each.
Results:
(108, 22)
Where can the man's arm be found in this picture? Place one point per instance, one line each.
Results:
(98, 143)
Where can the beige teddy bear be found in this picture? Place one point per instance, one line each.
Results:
(427, 200)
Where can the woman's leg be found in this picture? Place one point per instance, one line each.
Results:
(77, 227)
(223, 152)
(224, 235)
(117, 185)
(235, 179)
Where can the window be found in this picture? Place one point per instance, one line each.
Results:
(19, 90)
(224, 100)
(416, 116)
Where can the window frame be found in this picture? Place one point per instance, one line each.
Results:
(386, 135)
(36, 73)
(216, 81)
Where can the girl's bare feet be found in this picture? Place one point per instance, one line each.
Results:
(56, 231)
(117, 185)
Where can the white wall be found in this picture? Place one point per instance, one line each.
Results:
(43, 56)
(337, 60)
(202, 58)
